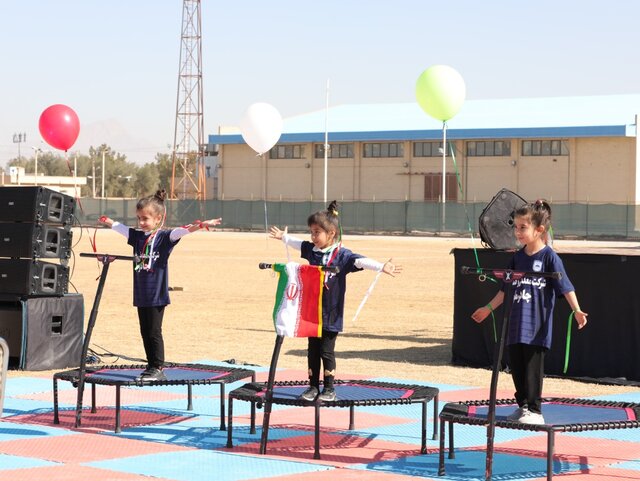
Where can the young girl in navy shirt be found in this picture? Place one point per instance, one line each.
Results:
(326, 250)
(152, 247)
(531, 319)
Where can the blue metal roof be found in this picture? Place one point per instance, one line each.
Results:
(556, 117)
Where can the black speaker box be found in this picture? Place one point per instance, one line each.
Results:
(35, 204)
(28, 277)
(43, 333)
(496, 221)
(26, 239)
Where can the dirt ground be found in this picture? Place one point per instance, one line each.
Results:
(221, 307)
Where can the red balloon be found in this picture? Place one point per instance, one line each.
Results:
(59, 126)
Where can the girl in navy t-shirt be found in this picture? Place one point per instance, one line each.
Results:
(531, 317)
(325, 249)
(152, 246)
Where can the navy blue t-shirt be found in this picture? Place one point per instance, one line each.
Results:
(151, 277)
(335, 284)
(531, 319)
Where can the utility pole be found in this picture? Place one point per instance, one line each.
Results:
(187, 175)
(37, 151)
(102, 190)
(18, 139)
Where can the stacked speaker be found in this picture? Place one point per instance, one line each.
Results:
(40, 321)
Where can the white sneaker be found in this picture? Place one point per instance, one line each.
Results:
(530, 417)
(517, 414)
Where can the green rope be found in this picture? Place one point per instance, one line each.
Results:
(567, 349)
(493, 317)
(466, 212)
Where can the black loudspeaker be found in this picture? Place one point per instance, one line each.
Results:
(28, 277)
(35, 204)
(26, 239)
(43, 333)
(496, 221)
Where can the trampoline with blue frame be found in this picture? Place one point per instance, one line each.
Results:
(128, 376)
(560, 414)
(349, 395)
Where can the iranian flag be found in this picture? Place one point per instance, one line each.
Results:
(298, 309)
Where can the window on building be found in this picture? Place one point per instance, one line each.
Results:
(335, 151)
(488, 148)
(433, 187)
(385, 149)
(429, 149)
(292, 151)
(544, 147)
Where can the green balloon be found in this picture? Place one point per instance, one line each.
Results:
(440, 92)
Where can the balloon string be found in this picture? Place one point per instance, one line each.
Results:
(73, 174)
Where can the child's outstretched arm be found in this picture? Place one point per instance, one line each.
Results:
(108, 221)
(180, 232)
(481, 313)
(390, 268)
(205, 224)
(276, 233)
(116, 226)
(581, 317)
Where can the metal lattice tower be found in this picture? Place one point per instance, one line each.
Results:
(187, 178)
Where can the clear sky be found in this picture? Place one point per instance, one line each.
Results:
(115, 62)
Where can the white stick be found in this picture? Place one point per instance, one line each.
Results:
(366, 296)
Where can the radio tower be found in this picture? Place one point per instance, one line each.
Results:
(187, 177)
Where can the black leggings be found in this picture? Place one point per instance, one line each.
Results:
(151, 332)
(527, 370)
(322, 349)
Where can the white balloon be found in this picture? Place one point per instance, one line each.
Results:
(261, 127)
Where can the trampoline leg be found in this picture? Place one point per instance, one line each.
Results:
(189, 398)
(269, 395)
(118, 428)
(316, 452)
(253, 418)
(452, 451)
(56, 419)
(223, 427)
(435, 417)
(352, 418)
(253, 409)
(441, 470)
(93, 399)
(550, 450)
(423, 441)
(230, 430)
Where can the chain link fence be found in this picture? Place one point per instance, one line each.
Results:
(584, 221)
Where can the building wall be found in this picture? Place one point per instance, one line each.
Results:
(597, 170)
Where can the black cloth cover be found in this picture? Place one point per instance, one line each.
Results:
(607, 289)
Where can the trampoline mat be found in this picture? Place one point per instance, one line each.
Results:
(559, 414)
(175, 373)
(347, 392)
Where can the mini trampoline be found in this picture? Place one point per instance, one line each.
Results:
(560, 414)
(349, 394)
(177, 374)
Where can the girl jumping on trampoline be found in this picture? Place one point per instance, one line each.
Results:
(152, 246)
(531, 318)
(325, 249)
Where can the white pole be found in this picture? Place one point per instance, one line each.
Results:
(444, 172)
(75, 181)
(102, 191)
(35, 174)
(326, 142)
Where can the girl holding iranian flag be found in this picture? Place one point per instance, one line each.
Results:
(325, 249)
